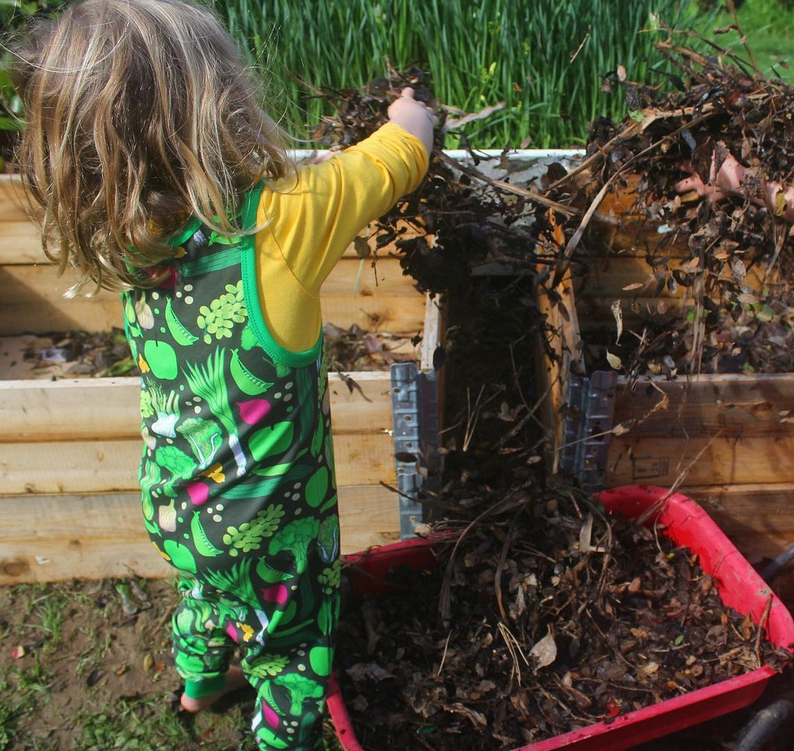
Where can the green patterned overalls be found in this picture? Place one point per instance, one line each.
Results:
(238, 483)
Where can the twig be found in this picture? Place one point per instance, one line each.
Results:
(444, 655)
(761, 625)
(531, 195)
(742, 36)
(657, 506)
(497, 579)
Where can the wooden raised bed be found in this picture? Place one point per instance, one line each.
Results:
(70, 448)
(730, 436)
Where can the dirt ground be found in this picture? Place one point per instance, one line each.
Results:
(91, 677)
(80, 671)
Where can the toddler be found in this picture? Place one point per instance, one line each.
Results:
(159, 176)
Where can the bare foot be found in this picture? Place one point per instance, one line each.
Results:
(234, 680)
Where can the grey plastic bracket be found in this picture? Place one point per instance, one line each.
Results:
(414, 398)
(587, 425)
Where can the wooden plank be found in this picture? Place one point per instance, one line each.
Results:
(562, 334)
(759, 519)
(607, 277)
(742, 461)
(102, 466)
(378, 301)
(55, 538)
(732, 405)
(14, 206)
(20, 241)
(108, 408)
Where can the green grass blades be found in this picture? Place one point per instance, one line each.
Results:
(543, 58)
(769, 28)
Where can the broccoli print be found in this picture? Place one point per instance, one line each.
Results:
(300, 688)
(204, 437)
(295, 538)
(178, 463)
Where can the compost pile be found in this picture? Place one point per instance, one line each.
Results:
(718, 274)
(551, 617)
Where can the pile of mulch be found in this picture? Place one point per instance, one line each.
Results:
(706, 253)
(550, 617)
(78, 354)
(354, 349)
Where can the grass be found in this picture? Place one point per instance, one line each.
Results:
(769, 26)
(48, 699)
(543, 58)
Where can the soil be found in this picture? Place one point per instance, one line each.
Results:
(87, 665)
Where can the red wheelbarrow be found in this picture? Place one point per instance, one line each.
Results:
(687, 525)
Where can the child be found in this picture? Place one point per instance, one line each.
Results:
(159, 176)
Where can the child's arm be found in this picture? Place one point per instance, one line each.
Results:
(310, 221)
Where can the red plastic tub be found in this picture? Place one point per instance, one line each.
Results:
(688, 525)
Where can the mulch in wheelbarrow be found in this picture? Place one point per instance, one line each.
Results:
(548, 616)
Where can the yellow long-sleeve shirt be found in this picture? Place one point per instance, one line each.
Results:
(310, 218)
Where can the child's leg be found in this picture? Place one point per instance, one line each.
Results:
(202, 649)
(291, 671)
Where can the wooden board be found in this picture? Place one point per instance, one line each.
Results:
(562, 334)
(759, 519)
(729, 405)
(608, 277)
(744, 460)
(100, 466)
(108, 408)
(54, 538)
(20, 237)
(377, 300)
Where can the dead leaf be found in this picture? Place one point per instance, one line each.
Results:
(545, 651)
(617, 312)
(651, 668)
(361, 246)
(614, 361)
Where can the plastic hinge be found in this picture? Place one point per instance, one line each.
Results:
(414, 398)
(587, 426)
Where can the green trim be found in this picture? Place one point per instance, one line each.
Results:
(256, 318)
(224, 259)
(198, 689)
(181, 237)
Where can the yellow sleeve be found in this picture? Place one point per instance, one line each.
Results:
(310, 219)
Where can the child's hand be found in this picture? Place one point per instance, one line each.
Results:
(414, 116)
(726, 182)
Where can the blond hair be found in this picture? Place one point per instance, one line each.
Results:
(140, 113)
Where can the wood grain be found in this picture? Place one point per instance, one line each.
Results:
(60, 537)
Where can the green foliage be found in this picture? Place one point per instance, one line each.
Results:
(543, 58)
(769, 27)
(14, 15)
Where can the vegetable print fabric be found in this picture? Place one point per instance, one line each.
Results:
(237, 480)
